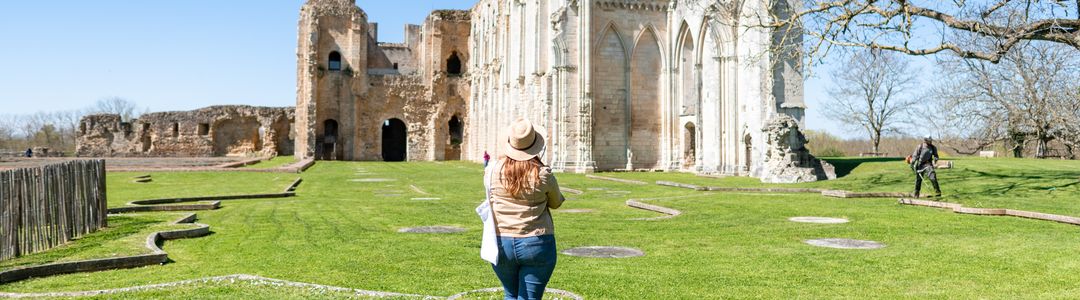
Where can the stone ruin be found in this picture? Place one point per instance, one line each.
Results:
(786, 158)
(613, 84)
(362, 99)
(231, 130)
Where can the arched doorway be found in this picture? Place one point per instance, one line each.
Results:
(328, 143)
(455, 134)
(689, 145)
(394, 139)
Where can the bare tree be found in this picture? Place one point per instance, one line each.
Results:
(67, 124)
(871, 93)
(127, 109)
(7, 132)
(924, 27)
(1030, 96)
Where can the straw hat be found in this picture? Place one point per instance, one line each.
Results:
(523, 142)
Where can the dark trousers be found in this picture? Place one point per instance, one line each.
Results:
(926, 171)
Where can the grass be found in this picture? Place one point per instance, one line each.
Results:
(725, 245)
(122, 189)
(275, 162)
(1050, 186)
(124, 237)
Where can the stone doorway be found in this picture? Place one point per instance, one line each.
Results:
(689, 146)
(394, 139)
(328, 143)
(453, 146)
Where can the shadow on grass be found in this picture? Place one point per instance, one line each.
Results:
(844, 165)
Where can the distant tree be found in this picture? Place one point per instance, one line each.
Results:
(1030, 96)
(7, 132)
(871, 93)
(67, 124)
(127, 109)
(823, 144)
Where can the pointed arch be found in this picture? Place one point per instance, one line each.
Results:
(685, 38)
(712, 113)
(649, 30)
(687, 79)
(611, 29)
(609, 83)
(645, 100)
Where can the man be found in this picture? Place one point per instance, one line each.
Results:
(923, 161)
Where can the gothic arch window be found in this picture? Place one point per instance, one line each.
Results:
(335, 61)
(453, 64)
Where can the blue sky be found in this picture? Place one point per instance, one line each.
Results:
(181, 55)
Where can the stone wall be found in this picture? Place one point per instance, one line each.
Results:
(234, 130)
(389, 101)
(631, 84)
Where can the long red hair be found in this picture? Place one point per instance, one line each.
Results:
(519, 176)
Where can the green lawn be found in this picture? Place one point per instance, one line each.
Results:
(1051, 186)
(122, 188)
(725, 245)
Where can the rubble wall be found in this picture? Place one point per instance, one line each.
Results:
(233, 130)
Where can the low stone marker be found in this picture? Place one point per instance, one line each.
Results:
(627, 181)
(372, 180)
(143, 178)
(418, 190)
(431, 229)
(845, 243)
(570, 190)
(426, 198)
(818, 220)
(603, 252)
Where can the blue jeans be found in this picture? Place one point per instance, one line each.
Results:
(525, 265)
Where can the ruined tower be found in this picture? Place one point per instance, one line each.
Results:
(361, 99)
(331, 57)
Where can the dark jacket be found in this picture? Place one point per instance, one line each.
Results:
(925, 154)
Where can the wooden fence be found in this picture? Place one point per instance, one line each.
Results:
(46, 206)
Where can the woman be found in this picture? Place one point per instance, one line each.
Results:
(522, 189)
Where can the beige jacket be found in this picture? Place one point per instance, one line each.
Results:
(528, 214)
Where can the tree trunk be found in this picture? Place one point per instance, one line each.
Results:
(877, 143)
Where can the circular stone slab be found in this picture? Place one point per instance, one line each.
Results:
(603, 252)
(845, 243)
(597, 189)
(575, 210)
(426, 199)
(432, 229)
(818, 220)
(372, 180)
